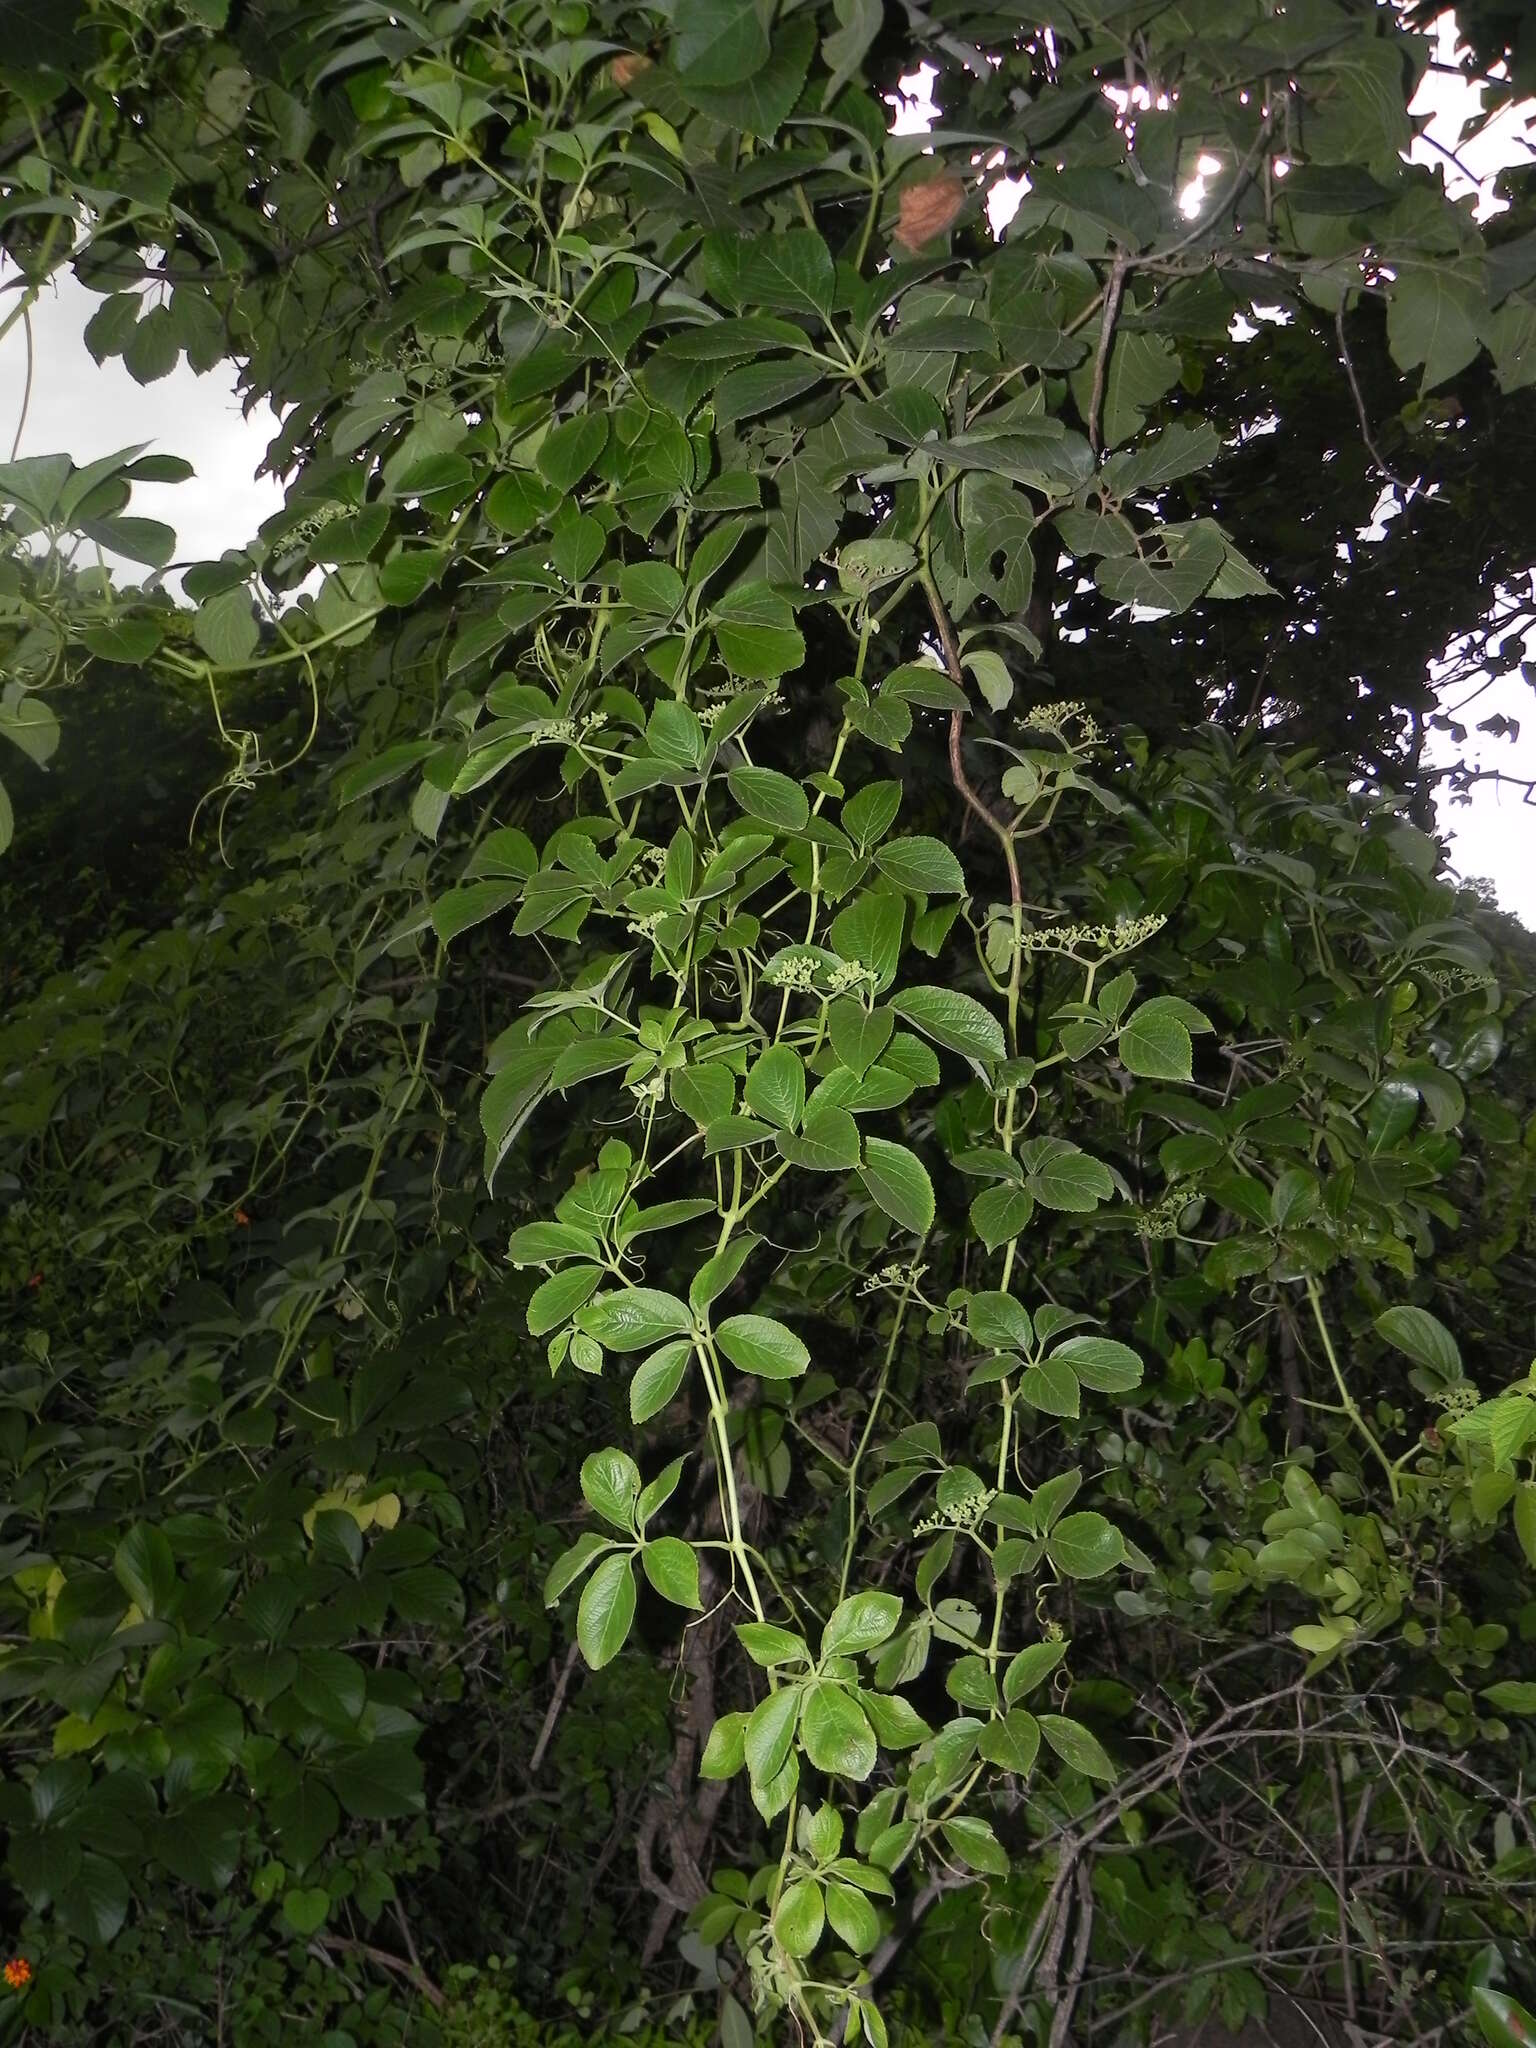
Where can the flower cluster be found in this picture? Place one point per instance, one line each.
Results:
(797, 972)
(1108, 939)
(1054, 718)
(1162, 1219)
(893, 1275)
(960, 1514)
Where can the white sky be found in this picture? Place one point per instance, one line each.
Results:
(92, 410)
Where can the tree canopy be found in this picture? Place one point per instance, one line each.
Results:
(786, 1291)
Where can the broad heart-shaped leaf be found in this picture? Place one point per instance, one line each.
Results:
(1154, 1041)
(1077, 1746)
(800, 1917)
(1435, 314)
(1085, 1546)
(1423, 1338)
(861, 1622)
(761, 104)
(759, 641)
(718, 42)
(306, 1910)
(835, 1733)
(226, 629)
(976, 1846)
(607, 1609)
(898, 1180)
(1502, 2021)
(953, 1019)
(758, 1344)
(925, 866)
(1141, 368)
(766, 794)
(672, 1566)
(790, 272)
(1176, 451)
(634, 1318)
(31, 724)
(1173, 568)
(997, 522)
(610, 1483)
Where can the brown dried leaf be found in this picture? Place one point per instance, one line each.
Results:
(627, 67)
(928, 209)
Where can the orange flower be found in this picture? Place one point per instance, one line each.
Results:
(18, 1973)
(928, 209)
(241, 1218)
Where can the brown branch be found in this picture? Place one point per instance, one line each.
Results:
(1067, 1997)
(1361, 414)
(386, 1961)
(956, 673)
(1114, 291)
(1341, 1887)
(552, 1713)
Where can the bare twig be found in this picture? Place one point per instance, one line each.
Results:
(956, 672)
(385, 1961)
(1114, 291)
(552, 1712)
(1371, 449)
(26, 389)
(1066, 1998)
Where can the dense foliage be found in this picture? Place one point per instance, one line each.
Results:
(786, 1292)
